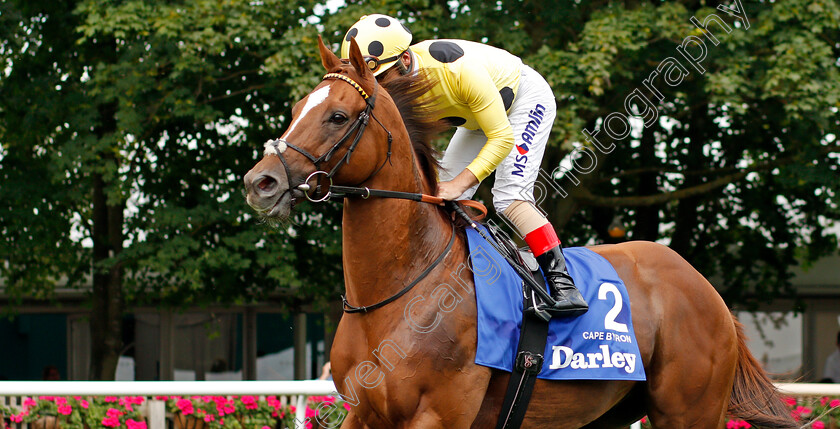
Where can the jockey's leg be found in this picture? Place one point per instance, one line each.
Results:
(543, 241)
(531, 116)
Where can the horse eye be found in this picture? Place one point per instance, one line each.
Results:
(338, 118)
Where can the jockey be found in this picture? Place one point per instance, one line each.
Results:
(498, 104)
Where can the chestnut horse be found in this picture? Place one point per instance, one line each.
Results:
(410, 361)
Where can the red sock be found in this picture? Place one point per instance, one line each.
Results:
(542, 239)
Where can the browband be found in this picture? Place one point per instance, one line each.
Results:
(348, 80)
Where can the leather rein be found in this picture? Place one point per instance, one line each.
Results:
(340, 192)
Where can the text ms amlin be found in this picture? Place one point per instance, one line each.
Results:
(536, 116)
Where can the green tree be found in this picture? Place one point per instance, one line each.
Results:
(126, 127)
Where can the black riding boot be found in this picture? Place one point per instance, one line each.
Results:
(569, 301)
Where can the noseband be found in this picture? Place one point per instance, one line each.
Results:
(358, 126)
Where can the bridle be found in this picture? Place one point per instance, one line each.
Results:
(358, 127)
(333, 191)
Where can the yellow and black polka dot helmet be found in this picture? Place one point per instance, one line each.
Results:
(381, 38)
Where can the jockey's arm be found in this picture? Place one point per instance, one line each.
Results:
(478, 91)
(452, 189)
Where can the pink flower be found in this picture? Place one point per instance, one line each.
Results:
(347, 407)
(791, 401)
(834, 403)
(800, 411)
(110, 422)
(65, 410)
(209, 418)
(113, 412)
(84, 403)
(161, 398)
(818, 424)
(132, 424)
(250, 402)
(737, 424)
(29, 403)
(19, 417)
(112, 399)
(186, 406)
(60, 401)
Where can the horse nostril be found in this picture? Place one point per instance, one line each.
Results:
(266, 184)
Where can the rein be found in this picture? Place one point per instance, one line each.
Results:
(334, 191)
(339, 192)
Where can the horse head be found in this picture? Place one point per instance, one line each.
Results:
(328, 127)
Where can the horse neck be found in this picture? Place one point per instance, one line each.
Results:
(388, 242)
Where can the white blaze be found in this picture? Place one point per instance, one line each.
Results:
(313, 100)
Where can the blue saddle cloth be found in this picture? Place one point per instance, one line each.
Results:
(599, 345)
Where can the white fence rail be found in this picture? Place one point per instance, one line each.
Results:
(809, 389)
(165, 388)
(11, 392)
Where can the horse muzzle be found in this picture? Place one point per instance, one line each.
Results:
(268, 193)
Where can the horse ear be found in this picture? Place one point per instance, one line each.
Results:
(358, 61)
(328, 58)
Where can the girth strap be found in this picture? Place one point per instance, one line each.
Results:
(529, 360)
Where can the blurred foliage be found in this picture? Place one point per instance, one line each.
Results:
(197, 86)
(168, 103)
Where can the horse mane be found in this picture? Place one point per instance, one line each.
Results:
(418, 114)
